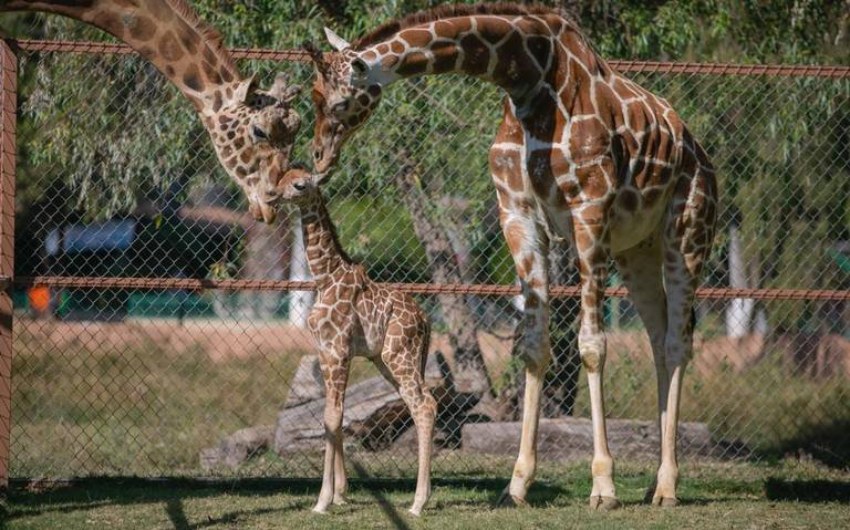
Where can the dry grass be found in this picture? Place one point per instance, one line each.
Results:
(144, 397)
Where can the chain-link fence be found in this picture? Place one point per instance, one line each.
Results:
(158, 329)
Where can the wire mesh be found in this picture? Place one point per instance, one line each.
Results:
(116, 179)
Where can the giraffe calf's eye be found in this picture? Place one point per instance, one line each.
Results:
(259, 133)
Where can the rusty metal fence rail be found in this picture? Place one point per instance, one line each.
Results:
(158, 331)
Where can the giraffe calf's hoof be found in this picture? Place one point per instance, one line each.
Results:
(320, 509)
(600, 503)
(665, 502)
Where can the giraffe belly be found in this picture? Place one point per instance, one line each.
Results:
(630, 226)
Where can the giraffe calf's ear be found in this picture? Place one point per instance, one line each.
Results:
(282, 91)
(336, 41)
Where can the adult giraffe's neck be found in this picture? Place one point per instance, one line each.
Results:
(168, 33)
(517, 53)
(324, 252)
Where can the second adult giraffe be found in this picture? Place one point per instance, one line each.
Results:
(253, 131)
(581, 153)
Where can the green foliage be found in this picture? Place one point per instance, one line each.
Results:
(107, 132)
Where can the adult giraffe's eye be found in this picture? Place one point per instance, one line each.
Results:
(259, 134)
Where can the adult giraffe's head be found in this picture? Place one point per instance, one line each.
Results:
(342, 98)
(253, 131)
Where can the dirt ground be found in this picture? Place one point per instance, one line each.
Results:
(224, 340)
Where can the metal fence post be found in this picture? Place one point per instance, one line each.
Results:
(8, 117)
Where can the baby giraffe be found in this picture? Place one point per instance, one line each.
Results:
(354, 316)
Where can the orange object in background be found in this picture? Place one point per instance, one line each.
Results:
(39, 299)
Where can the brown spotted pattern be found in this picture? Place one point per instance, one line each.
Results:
(354, 316)
(253, 131)
(582, 153)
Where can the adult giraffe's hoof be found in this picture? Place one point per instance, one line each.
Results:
(600, 503)
(340, 500)
(665, 502)
(506, 500)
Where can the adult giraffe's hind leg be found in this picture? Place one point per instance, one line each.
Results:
(687, 243)
(641, 270)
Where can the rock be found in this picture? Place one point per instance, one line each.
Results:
(572, 438)
(307, 384)
(374, 414)
(237, 448)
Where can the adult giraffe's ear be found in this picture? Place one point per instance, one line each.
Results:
(245, 89)
(316, 56)
(336, 41)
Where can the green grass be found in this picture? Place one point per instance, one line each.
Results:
(790, 494)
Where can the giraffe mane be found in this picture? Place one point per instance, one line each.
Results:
(210, 36)
(331, 227)
(390, 28)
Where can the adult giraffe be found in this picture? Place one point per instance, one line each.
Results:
(253, 131)
(581, 153)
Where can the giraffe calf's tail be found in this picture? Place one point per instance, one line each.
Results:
(426, 345)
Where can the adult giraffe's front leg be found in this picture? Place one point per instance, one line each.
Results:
(590, 232)
(529, 247)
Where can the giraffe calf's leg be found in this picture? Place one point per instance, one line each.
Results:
(340, 479)
(335, 375)
(404, 356)
(423, 407)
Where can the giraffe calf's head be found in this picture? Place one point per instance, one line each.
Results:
(253, 132)
(341, 107)
(297, 185)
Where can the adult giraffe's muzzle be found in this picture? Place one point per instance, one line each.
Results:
(263, 211)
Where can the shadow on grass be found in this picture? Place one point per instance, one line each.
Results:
(31, 498)
(814, 491)
(829, 443)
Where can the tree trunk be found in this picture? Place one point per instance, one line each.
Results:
(470, 373)
(740, 310)
(265, 258)
(300, 302)
(561, 387)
